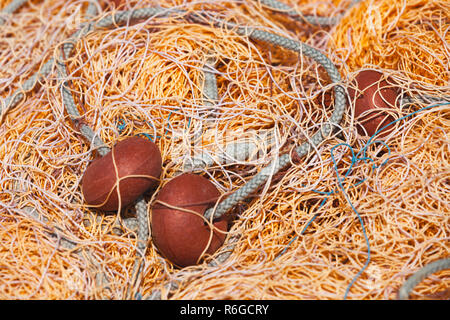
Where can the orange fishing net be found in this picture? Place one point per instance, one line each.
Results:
(146, 78)
(408, 36)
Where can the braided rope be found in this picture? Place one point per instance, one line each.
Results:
(210, 91)
(142, 239)
(415, 279)
(16, 97)
(142, 230)
(288, 10)
(424, 99)
(234, 151)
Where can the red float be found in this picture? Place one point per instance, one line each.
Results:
(133, 156)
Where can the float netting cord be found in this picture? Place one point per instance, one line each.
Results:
(122, 17)
(297, 236)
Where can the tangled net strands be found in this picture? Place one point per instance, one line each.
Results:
(146, 79)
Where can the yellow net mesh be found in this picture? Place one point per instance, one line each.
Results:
(147, 79)
(409, 36)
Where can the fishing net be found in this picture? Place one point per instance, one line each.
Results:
(302, 234)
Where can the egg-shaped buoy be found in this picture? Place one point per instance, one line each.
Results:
(182, 236)
(132, 156)
(373, 97)
(117, 2)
